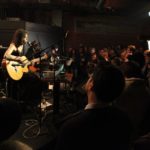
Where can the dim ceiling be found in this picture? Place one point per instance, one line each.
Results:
(117, 7)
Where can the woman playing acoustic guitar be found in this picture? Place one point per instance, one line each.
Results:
(22, 84)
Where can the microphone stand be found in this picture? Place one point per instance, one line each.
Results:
(41, 101)
(40, 124)
(40, 116)
(56, 88)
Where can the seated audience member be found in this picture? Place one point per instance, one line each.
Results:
(135, 99)
(146, 68)
(14, 145)
(100, 125)
(142, 143)
(10, 117)
(139, 58)
(116, 61)
(103, 54)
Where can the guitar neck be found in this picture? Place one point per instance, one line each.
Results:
(39, 59)
(42, 58)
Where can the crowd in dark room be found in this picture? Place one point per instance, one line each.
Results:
(133, 100)
(98, 82)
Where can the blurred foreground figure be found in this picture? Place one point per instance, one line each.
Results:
(100, 125)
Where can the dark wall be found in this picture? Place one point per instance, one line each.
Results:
(100, 31)
(43, 34)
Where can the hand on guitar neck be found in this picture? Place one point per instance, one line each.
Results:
(37, 60)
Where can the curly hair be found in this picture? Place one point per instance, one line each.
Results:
(18, 37)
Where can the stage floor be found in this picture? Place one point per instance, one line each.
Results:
(38, 126)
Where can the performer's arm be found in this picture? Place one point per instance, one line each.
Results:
(37, 60)
(8, 54)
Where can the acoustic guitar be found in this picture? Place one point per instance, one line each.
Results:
(16, 69)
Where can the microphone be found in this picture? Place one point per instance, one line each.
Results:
(39, 44)
(29, 44)
(66, 34)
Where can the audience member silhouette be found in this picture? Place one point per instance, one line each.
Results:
(146, 68)
(135, 99)
(10, 117)
(14, 145)
(100, 125)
